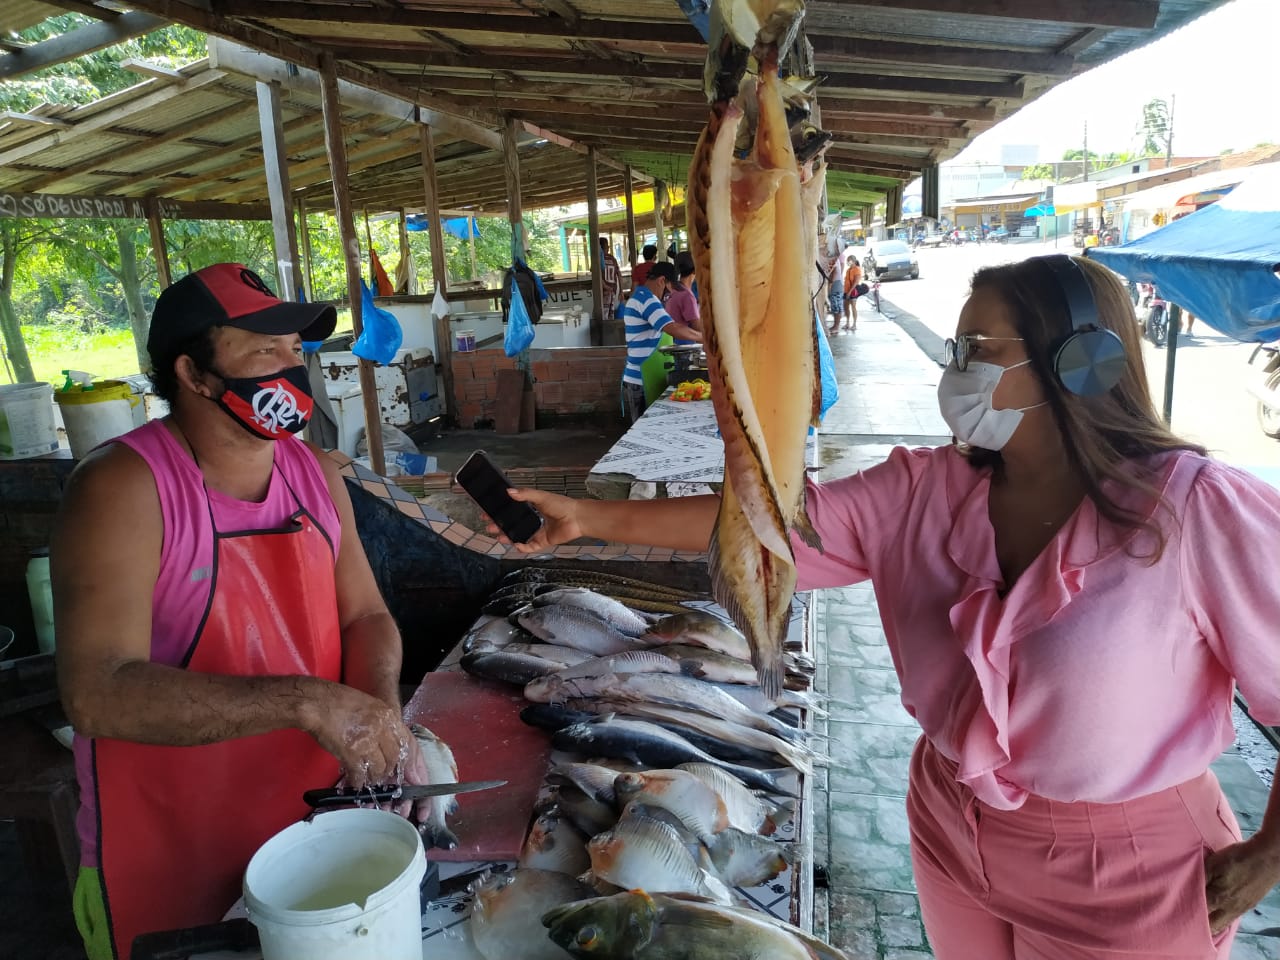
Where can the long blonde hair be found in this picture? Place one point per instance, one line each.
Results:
(1109, 436)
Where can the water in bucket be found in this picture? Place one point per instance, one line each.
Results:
(343, 886)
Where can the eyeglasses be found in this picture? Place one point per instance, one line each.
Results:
(962, 348)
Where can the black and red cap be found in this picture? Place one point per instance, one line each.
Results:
(231, 295)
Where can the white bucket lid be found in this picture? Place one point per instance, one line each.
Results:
(304, 859)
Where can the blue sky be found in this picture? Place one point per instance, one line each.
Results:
(1222, 69)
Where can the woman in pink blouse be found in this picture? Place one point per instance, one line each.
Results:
(1070, 594)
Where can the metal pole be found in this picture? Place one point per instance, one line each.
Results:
(1171, 359)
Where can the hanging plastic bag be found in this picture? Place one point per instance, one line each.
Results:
(439, 305)
(826, 370)
(381, 337)
(519, 336)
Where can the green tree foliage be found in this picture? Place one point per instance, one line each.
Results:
(1040, 171)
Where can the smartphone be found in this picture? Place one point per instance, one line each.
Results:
(486, 485)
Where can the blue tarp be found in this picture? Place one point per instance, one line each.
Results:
(456, 226)
(1219, 263)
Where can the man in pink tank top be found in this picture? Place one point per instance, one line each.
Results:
(236, 651)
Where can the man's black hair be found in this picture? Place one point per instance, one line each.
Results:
(664, 270)
(604, 244)
(684, 263)
(199, 347)
(650, 251)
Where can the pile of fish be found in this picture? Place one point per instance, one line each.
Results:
(687, 768)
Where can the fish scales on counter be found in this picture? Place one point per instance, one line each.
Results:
(575, 627)
(441, 768)
(746, 222)
(640, 852)
(506, 908)
(651, 746)
(636, 925)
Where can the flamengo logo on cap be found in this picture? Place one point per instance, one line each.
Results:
(276, 408)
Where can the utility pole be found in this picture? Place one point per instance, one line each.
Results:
(1168, 151)
(1086, 150)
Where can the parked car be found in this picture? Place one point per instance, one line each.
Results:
(890, 260)
(997, 235)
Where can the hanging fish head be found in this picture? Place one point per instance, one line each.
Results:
(614, 926)
(739, 28)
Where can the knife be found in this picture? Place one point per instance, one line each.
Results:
(332, 796)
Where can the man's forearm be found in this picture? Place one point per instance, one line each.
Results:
(155, 704)
(371, 657)
(680, 523)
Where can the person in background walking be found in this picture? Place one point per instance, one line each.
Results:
(852, 278)
(829, 265)
(610, 280)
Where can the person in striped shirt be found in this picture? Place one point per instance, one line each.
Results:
(645, 322)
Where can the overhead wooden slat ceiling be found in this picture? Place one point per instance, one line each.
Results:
(904, 83)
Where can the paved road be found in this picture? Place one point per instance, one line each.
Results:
(1210, 405)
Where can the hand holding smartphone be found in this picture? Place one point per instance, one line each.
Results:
(486, 485)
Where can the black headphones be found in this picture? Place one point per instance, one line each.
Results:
(1089, 360)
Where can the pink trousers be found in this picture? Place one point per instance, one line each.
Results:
(1065, 881)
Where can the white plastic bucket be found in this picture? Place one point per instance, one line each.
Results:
(27, 426)
(98, 415)
(342, 887)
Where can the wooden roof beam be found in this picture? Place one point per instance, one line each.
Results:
(78, 42)
(589, 29)
(845, 109)
(982, 89)
(437, 64)
(894, 128)
(1116, 14)
(831, 52)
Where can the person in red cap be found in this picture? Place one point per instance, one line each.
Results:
(235, 650)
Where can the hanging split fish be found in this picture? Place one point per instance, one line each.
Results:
(699, 629)
(506, 909)
(648, 854)
(650, 745)
(696, 805)
(554, 844)
(615, 613)
(747, 223)
(441, 768)
(745, 809)
(636, 925)
(575, 627)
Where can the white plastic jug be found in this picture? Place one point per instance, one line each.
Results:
(96, 415)
(342, 887)
(40, 592)
(27, 427)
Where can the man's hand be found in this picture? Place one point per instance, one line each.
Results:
(1237, 878)
(559, 520)
(365, 734)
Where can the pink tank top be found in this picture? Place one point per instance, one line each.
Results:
(183, 586)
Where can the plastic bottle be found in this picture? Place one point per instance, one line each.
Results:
(40, 591)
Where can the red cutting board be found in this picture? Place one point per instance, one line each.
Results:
(480, 721)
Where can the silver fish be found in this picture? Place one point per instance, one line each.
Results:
(745, 809)
(710, 665)
(563, 656)
(441, 768)
(699, 629)
(745, 859)
(492, 634)
(575, 627)
(507, 667)
(554, 844)
(594, 780)
(697, 806)
(651, 745)
(649, 855)
(585, 812)
(633, 661)
(618, 614)
(506, 909)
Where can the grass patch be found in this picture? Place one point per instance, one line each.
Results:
(106, 355)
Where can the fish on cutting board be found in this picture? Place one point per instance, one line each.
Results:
(441, 768)
(506, 908)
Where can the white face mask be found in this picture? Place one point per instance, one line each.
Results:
(964, 397)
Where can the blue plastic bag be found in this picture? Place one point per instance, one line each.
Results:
(826, 370)
(381, 336)
(519, 335)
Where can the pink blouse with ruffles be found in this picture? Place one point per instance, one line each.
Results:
(1100, 677)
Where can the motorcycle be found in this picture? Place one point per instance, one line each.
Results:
(1266, 389)
(1155, 325)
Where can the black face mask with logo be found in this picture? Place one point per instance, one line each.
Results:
(277, 405)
